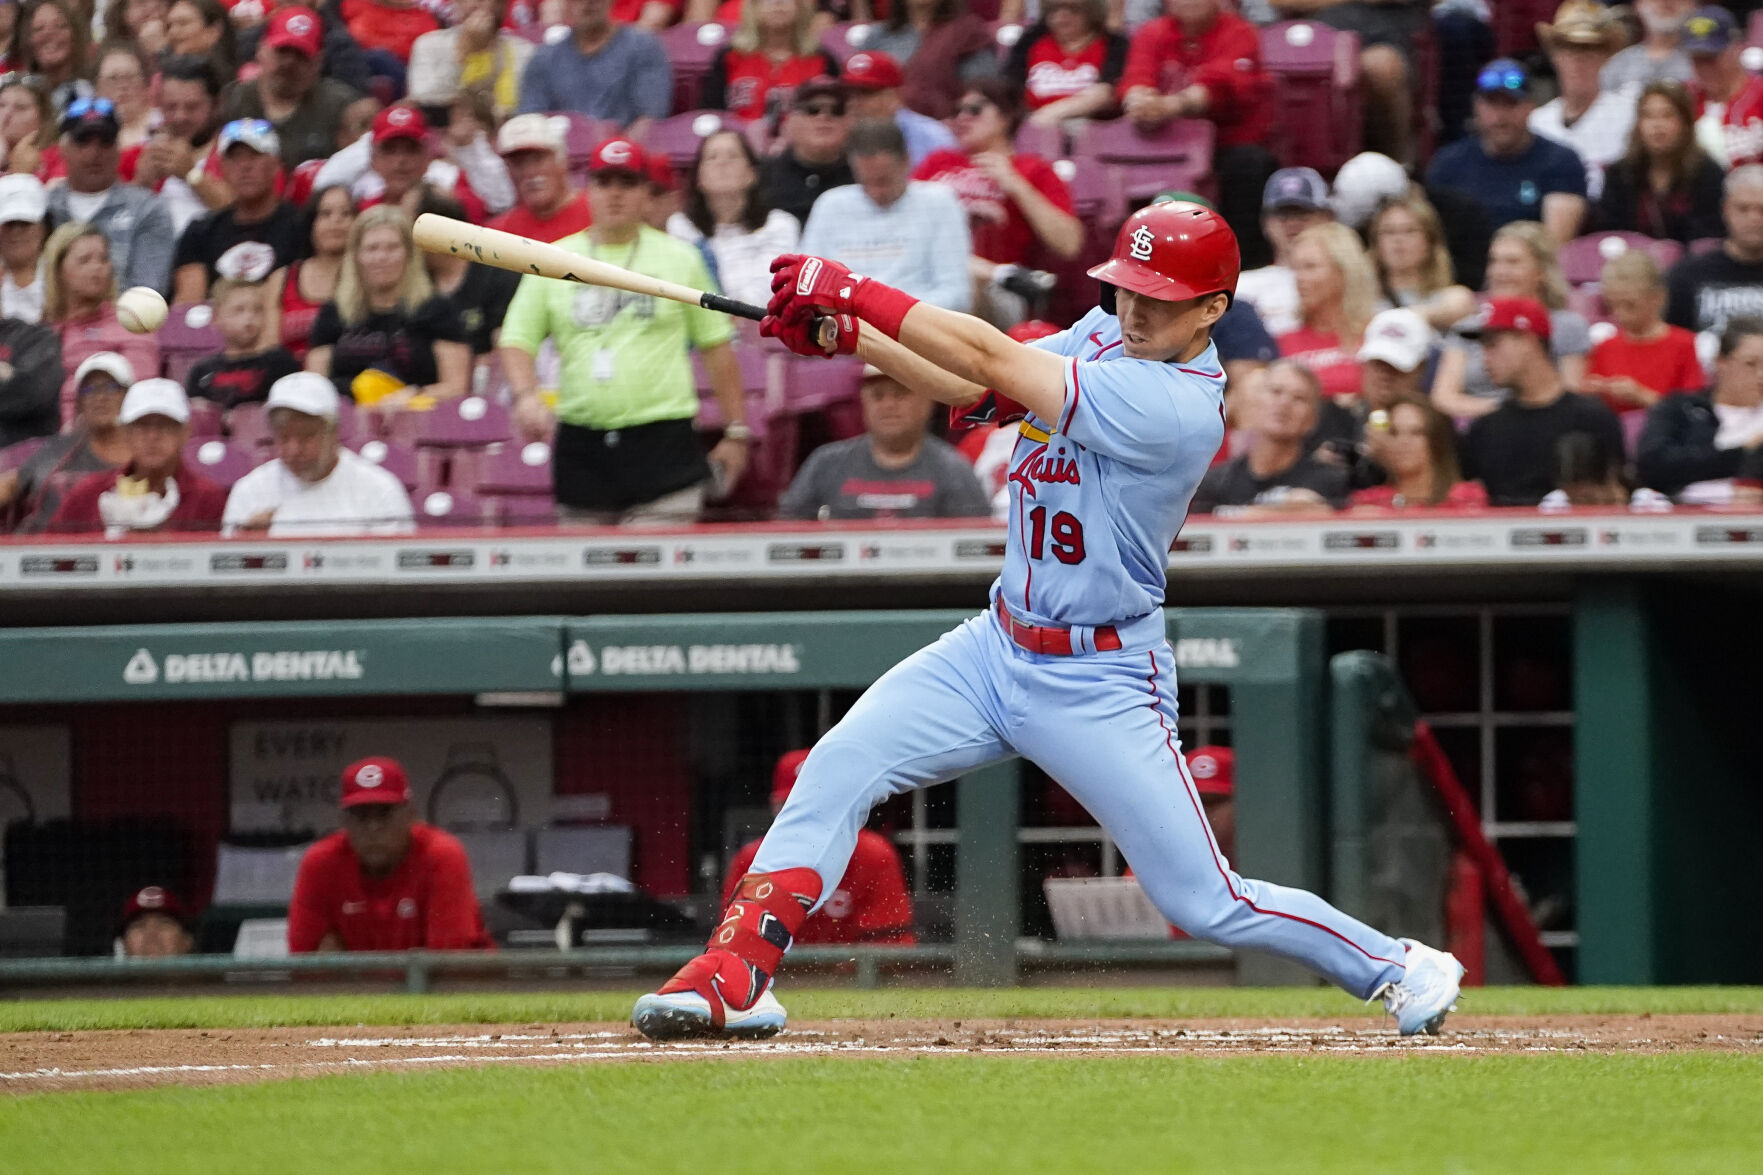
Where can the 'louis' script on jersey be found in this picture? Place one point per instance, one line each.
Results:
(1038, 466)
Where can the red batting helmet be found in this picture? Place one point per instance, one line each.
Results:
(1171, 251)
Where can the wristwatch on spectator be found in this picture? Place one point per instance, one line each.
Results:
(737, 430)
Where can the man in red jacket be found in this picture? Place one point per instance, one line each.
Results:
(385, 881)
(870, 903)
(153, 491)
(1201, 61)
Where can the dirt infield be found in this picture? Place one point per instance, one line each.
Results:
(45, 1061)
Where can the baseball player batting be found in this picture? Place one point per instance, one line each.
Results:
(1069, 667)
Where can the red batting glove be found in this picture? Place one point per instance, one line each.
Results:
(803, 333)
(819, 281)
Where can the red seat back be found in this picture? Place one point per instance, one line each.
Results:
(219, 462)
(1316, 89)
(678, 137)
(692, 49)
(1142, 163)
(1582, 259)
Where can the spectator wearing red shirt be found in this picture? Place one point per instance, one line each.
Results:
(1646, 358)
(1416, 447)
(1337, 292)
(869, 905)
(153, 491)
(388, 25)
(776, 49)
(545, 208)
(1017, 206)
(1068, 64)
(385, 881)
(653, 15)
(1201, 61)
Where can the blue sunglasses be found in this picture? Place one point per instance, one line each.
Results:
(1502, 79)
(89, 107)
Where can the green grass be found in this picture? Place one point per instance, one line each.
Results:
(299, 1011)
(1414, 1114)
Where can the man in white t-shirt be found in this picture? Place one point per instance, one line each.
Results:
(1594, 122)
(314, 486)
(1295, 198)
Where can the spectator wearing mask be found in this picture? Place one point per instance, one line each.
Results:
(93, 442)
(1295, 199)
(478, 51)
(1521, 264)
(1659, 57)
(153, 491)
(871, 903)
(1665, 186)
(872, 84)
(480, 293)
(1706, 448)
(79, 303)
(121, 76)
(1513, 449)
(314, 487)
(1593, 121)
(1646, 358)
(387, 336)
(155, 925)
(896, 469)
(1415, 446)
(626, 446)
(259, 231)
(179, 162)
(1413, 263)
(546, 208)
(245, 369)
(305, 107)
(30, 379)
(385, 881)
(775, 49)
(131, 219)
(1018, 208)
(1068, 64)
(1706, 290)
(605, 69)
(299, 292)
(24, 208)
(909, 234)
(55, 45)
(812, 162)
(1514, 173)
(1204, 62)
(1277, 474)
(726, 209)
(1337, 295)
(940, 46)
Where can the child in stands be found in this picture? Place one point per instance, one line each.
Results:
(243, 372)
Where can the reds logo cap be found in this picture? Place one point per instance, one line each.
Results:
(1524, 315)
(400, 122)
(295, 27)
(619, 154)
(1214, 770)
(378, 780)
(153, 899)
(873, 71)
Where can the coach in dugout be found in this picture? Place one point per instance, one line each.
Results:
(385, 881)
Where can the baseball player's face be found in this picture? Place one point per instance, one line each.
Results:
(1157, 330)
(379, 834)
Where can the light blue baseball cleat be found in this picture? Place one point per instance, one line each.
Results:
(683, 1015)
(1427, 992)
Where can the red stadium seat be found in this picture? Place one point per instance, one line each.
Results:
(1141, 163)
(1515, 24)
(582, 136)
(206, 420)
(189, 335)
(14, 455)
(1046, 141)
(452, 508)
(470, 421)
(1583, 258)
(1316, 90)
(692, 48)
(398, 460)
(515, 469)
(757, 375)
(678, 137)
(1702, 245)
(221, 463)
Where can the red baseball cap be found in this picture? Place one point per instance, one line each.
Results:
(1520, 314)
(783, 776)
(295, 27)
(661, 173)
(1031, 329)
(1214, 770)
(873, 71)
(378, 780)
(155, 899)
(400, 122)
(619, 154)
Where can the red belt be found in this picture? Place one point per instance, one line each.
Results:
(1057, 641)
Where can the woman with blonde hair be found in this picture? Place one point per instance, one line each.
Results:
(1337, 295)
(79, 303)
(387, 334)
(1416, 446)
(1412, 263)
(1521, 264)
(775, 49)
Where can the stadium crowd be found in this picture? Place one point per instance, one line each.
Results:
(1532, 274)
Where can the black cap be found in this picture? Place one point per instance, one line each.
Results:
(87, 117)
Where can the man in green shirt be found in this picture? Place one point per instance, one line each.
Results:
(626, 449)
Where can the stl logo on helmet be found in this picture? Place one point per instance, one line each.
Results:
(1142, 240)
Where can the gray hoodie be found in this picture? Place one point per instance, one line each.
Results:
(138, 228)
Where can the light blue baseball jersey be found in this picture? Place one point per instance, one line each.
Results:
(1096, 505)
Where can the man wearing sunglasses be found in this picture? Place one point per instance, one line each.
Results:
(132, 219)
(813, 159)
(250, 159)
(1511, 172)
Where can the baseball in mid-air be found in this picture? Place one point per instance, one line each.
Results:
(140, 309)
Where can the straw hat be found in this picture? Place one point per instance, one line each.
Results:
(1585, 24)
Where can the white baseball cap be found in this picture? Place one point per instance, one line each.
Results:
(305, 392)
(531, 132)
(110, 363)
(22, 197)
(155, 397)
(1364, 182)
(1400, 338)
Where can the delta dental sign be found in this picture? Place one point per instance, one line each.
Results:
(144, 669)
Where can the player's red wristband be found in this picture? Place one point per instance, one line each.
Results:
(882, 307)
